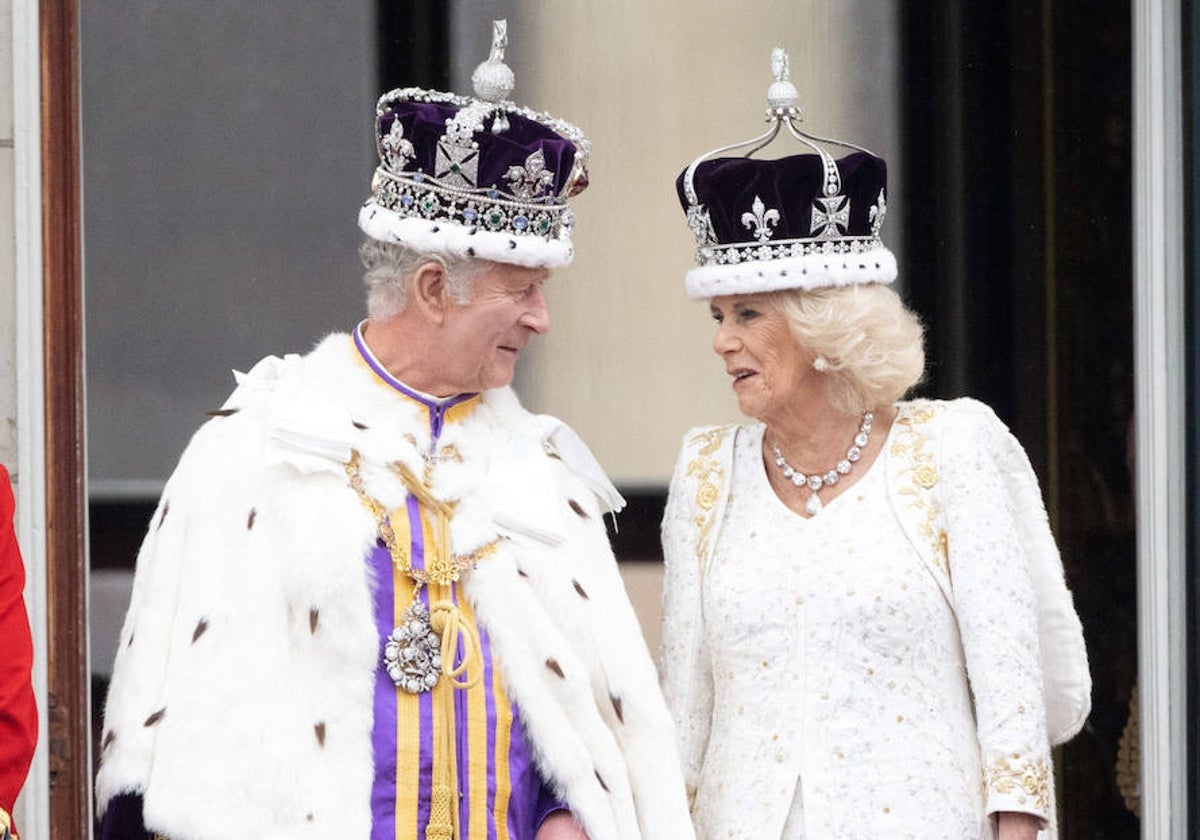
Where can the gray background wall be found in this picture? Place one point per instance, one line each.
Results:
(227, 147)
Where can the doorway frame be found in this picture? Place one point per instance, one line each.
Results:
(1159, 386)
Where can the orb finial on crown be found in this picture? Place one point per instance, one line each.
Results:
(782, 95)
(493, 80)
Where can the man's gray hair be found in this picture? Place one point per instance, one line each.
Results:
(390, 269)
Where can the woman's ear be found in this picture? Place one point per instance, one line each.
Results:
(428, 292)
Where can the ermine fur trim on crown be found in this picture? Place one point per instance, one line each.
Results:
(438, 236)
(811, 271)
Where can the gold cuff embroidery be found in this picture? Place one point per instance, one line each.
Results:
(1009, 774)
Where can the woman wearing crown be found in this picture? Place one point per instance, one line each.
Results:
(857, 587)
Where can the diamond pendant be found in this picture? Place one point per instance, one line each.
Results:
(813, 505)
(412, 653)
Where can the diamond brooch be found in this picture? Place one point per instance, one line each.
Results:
(412, 653)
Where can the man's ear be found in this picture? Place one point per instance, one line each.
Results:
(428, 292)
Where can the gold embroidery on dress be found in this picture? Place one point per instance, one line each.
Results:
(708, 474)
(922, 475)
(1008, 774)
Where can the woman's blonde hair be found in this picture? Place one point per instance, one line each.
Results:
(871, 343)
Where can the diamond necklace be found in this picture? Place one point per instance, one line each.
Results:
(816, 482)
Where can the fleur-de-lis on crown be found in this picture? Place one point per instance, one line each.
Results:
(829, 219)
(877, 212)
(761, 219)
(397, 151)
(531, 179)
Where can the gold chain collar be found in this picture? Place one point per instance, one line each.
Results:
(442, 566)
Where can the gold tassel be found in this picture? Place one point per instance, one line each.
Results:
(441, 814)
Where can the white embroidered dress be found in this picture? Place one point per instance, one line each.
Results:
(828, 693)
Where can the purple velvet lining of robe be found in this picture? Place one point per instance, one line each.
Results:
(727, 188)
(122, 819)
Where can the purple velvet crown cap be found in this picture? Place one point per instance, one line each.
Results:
(476, 177)
(765, 225)
(424, 123)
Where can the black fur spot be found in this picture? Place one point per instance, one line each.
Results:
(582, 592)
(201, 626)
(222, 412)
(156, 718)
(553, 665)
(578, 508)
(314, 618)
(319, 729)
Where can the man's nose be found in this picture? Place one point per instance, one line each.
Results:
(537, 315)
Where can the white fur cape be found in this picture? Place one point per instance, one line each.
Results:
(241, 700)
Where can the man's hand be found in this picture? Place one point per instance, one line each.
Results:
(560, 826)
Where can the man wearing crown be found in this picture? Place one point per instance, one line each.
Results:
(377, 598)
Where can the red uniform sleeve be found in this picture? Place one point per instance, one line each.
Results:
(18, 712)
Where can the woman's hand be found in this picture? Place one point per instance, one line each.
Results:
(562, 826)
(1013, 826)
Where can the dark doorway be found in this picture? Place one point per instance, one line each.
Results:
(1019, 163)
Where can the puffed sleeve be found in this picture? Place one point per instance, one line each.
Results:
(997, 614)
(18, 711)
(684, 660)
